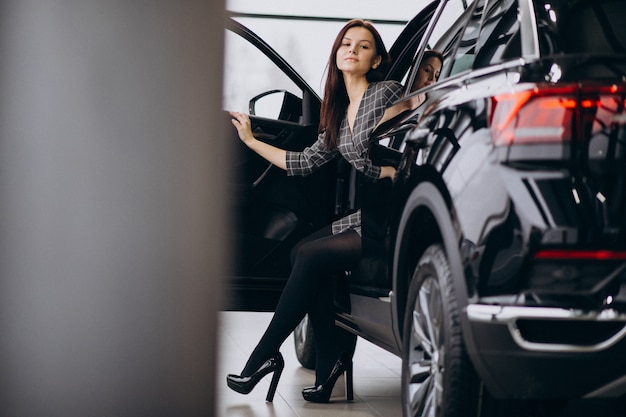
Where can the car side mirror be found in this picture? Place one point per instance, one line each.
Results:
(276, 104)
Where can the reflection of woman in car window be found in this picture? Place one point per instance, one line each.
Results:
(427, 74)
(354, 101)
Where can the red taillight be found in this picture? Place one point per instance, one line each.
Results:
(540, 115)
(555, 114)
(587, 255)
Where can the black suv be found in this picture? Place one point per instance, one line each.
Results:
(495, 263)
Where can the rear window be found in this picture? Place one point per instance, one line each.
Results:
(581, 26)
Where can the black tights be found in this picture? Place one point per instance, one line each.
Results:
(310, 289)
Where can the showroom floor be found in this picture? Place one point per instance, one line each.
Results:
(376, 378)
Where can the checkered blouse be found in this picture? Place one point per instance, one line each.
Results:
(352, 147)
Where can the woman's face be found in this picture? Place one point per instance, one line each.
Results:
(357, 52)
(427, 73)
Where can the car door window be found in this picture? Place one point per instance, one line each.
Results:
(592, 26)
(466, 51)
(499, 38)
(249, 73)
(405, 49)
(445, 35)
(490, 37)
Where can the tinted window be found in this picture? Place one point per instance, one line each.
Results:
(489, 37)
(405, 48)
(499, 38)
(466, 52)
(446, 33)
(581, 26)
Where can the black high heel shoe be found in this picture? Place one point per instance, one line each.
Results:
(245, 384)
(321, 393)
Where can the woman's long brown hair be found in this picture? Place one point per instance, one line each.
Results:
(335, 102)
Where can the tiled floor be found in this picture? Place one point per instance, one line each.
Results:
(376, 378)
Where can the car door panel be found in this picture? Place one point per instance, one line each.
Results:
(271, 211)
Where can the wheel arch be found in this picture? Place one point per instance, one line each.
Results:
(428, 217)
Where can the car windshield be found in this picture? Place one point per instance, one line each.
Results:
(581, 26)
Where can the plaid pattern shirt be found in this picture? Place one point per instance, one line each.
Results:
(353, 147)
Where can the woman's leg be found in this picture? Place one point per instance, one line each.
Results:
(315, 258)
(330, 340)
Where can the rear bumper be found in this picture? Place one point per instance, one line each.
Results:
(539, 352)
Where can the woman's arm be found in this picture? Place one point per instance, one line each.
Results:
(378, 99)
(272, 154)
(392, 93)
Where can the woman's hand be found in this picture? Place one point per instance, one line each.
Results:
(274, 155)
(387, 172)
(241, 121)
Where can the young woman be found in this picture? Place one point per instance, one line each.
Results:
(354, 101)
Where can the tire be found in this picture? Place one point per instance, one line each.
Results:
(438, 379)
(304, 342)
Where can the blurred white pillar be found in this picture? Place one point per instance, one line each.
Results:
(112, 206)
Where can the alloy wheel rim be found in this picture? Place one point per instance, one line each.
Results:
(426, 351)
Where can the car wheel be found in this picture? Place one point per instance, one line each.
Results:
(304, 342)
(438, 379)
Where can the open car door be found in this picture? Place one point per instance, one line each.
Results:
(271, 210)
